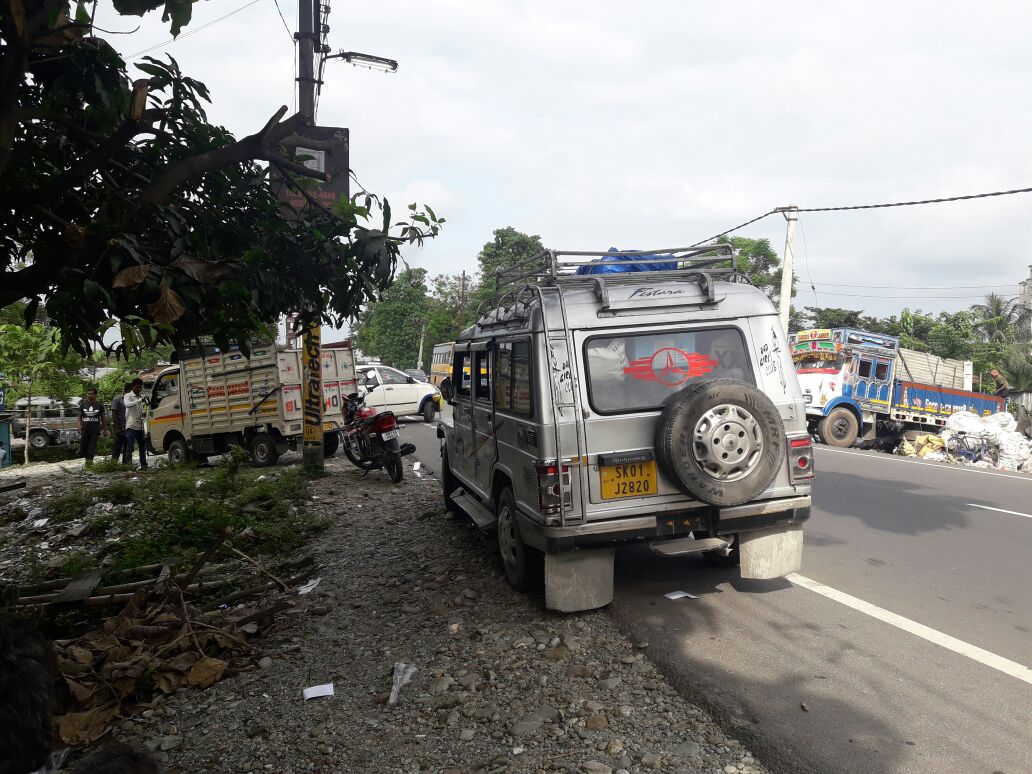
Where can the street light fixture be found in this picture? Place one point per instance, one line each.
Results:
(366, 60)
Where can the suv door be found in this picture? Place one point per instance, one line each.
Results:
(460, 458)
(485, 449)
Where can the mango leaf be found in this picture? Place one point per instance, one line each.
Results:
(199, 270)
(206, 671)
(84, 727)
(131, 277)
(169, 306)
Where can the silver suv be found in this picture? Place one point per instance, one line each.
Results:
(626, 397)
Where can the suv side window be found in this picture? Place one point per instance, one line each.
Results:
(460, 374)
(512, 377)
(390, 376)
(482, 383)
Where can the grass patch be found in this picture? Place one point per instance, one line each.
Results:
(108, 465)
(174, 515)
(118, 492)
(68, 507)
(77, 562)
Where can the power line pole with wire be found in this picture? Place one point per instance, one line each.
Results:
(791, 214)
(311, 354)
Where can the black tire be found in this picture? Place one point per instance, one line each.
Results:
(428, 410)
(356, 460)
(263, 450)
(721, 441)
(394, 466)
(840, 428)
(177, 452)
(448, 484)
(330, 442)
(523, 565)
(39, 439)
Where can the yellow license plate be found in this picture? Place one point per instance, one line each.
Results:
(328, 427)
(632, 479)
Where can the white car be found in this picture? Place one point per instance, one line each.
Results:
(388, 389)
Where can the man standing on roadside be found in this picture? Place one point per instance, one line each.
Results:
(91, 424)
(134, 409)
(118, 421)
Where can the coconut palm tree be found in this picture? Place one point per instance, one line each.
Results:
(1001, 319)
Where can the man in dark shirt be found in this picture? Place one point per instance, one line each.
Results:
(118, 422)
(91, 424)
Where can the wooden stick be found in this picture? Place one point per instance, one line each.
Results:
(260, 566)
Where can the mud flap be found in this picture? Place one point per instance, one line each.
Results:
(771, 553)
(579, 580)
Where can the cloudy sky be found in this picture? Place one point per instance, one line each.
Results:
(598, 124)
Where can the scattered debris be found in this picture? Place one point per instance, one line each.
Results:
(679, 595)
(307, 588)
(315, 691)
(402, 674)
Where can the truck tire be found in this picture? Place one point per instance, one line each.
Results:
(839, 428)
(721, 441)
(330, 443)
(428, 410)
(263, 450)
(524, 567)
(177, 452)
(39, 439)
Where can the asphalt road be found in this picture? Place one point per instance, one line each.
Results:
(911, 656)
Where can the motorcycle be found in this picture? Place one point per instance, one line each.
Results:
(371, 438)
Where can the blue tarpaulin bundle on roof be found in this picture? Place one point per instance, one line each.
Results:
(641, 263)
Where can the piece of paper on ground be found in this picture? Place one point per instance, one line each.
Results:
(326, 689)
(679, 595)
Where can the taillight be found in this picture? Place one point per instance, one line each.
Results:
(800, 459)
(554, 482)
(384, 423)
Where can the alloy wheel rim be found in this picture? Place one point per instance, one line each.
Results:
(727, 443)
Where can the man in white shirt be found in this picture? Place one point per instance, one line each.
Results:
(135, 408)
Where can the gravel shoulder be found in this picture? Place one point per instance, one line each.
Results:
(500, 684)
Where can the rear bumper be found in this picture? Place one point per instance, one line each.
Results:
(709, 522)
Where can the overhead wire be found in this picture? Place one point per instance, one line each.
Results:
(193, 31)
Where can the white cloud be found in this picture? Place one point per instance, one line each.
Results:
(607, 123)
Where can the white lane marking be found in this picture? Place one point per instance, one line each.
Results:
(940, 465)
(1001, 510)
(973, 652)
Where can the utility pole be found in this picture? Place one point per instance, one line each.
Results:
(462, 298)
(422, 338)
(791, 214)
(312, 387)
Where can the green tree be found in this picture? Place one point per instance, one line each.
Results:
(390, 328)
(760, 263)
(1000, 320)
(121, 204)
(451, 308)
(28, 358)
(507, 248)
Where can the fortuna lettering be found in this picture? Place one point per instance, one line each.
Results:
(653, 292)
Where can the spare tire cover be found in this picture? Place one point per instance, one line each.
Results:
(721, 441)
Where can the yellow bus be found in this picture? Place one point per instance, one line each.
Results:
(441, 364)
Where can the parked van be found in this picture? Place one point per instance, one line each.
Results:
(50, 421)
(644, 399)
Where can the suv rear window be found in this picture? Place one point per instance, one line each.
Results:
(639, 371)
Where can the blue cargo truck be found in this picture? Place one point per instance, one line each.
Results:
(858, 384)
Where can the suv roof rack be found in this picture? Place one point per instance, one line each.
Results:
(700, 264)
(554, 265)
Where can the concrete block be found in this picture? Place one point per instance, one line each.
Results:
(771, 553)
(579, 580)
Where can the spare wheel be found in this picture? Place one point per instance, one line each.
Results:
(721, 441)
